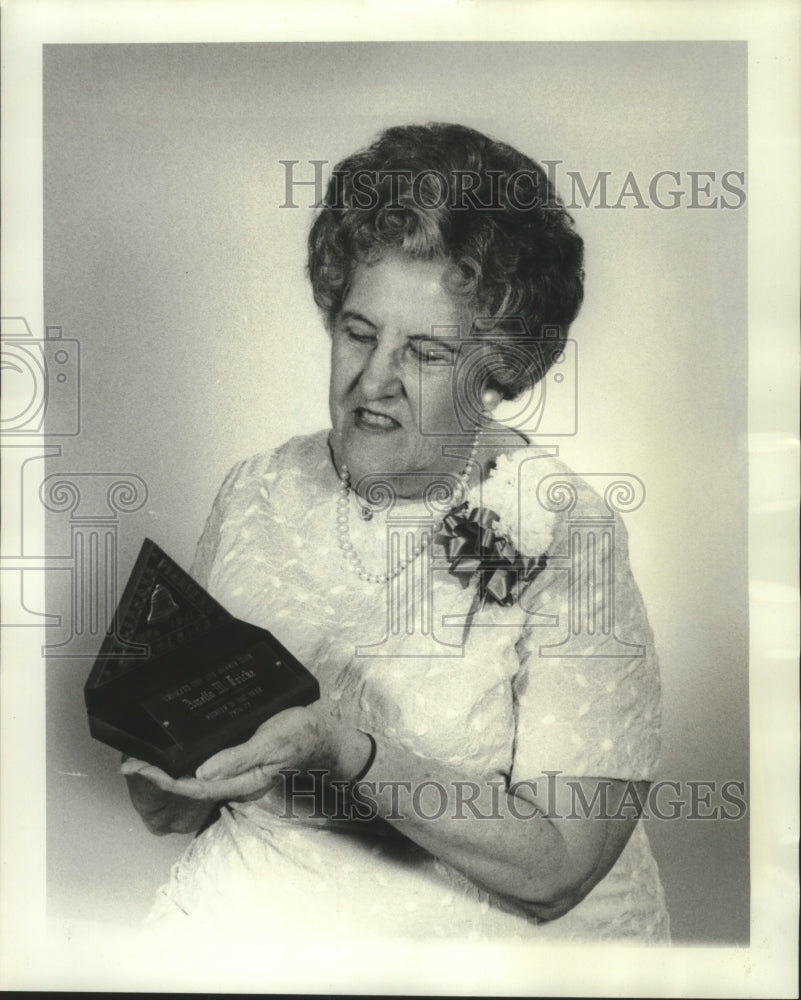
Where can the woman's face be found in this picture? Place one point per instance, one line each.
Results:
(394, 347)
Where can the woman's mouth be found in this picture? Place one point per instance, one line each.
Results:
(371, 420)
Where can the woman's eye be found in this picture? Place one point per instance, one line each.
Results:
(434, 355)
(360, 337)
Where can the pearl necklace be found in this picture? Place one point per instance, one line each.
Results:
(343, 531)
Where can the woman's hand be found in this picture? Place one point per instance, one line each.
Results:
(162, 809)
(297, 739)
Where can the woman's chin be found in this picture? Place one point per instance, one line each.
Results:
(365, 465)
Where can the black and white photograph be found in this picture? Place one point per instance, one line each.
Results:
(399, 549)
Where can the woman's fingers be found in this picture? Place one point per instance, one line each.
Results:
(261, 749)
(251, 782)
(188, 787)
(131, 765)
(160, 778)
(230, 762)
(153, 774)
(243, 771)
(249, 785)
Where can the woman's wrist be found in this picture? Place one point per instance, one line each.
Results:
(356, 755)
(346, 752)
(365, 768)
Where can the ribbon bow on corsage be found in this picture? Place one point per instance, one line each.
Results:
(476, 550)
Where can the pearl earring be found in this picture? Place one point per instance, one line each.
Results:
(490, 399)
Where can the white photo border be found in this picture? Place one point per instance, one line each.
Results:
(99, 958)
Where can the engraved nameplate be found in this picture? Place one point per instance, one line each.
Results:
(227, 691)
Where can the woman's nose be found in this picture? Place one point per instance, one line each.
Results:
(381, 373)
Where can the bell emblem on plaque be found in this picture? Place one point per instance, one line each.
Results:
(162, 605)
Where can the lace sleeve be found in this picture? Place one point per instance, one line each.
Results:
(208, 544)
(587, 694)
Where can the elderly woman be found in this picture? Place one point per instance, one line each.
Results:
(489, 716)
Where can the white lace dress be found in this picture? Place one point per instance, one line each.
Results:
(553, 683)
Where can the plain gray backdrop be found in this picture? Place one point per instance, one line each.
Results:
(169, 258)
